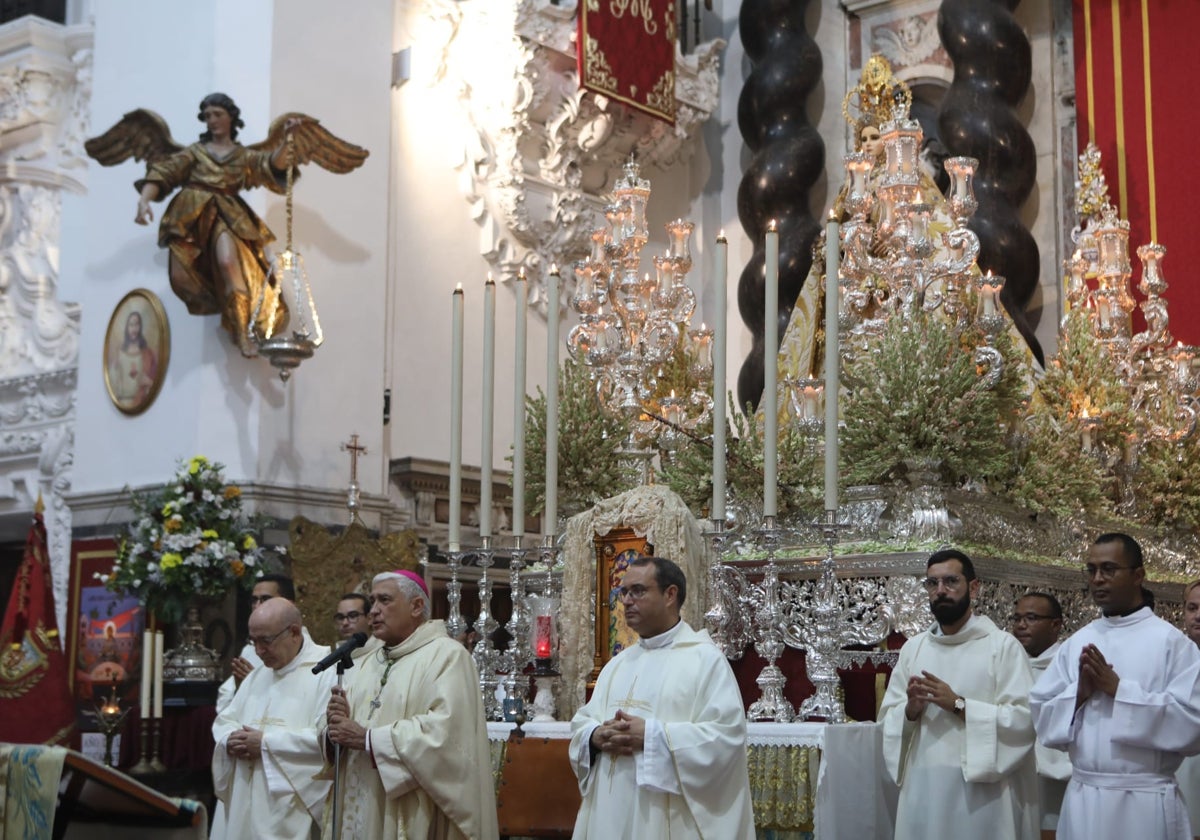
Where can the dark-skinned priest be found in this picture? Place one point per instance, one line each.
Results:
(1122, 696)
(411, 728)
(660, 749)
(957, 732)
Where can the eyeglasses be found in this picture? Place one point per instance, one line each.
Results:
(635, 593)
(260, 599)
(1105, 571)
(931, 584)
(353, 615)
(264, 643)
(1028, 618)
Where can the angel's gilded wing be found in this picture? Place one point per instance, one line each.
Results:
(141, 135)
(312, 143)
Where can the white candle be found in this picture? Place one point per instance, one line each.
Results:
(832, 259)
(158, 673)
(518, 487)
(456, 395)
(489, 400)
(147, 672)
(769, 401)
(720, 334)
(550, 515)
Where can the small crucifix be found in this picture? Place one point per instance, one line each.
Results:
(355, 450)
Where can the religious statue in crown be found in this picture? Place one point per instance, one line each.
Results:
(220, 262)
(889, 196)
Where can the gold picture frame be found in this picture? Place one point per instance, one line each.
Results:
(614, 551)
(136, 353)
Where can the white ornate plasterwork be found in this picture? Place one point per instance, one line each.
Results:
(905, 32)
(45, 90)
(538, 166)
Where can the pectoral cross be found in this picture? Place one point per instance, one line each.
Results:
(375, 704)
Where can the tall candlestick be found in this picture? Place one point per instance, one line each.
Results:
(158, 673)
(147, 672)
(832, 260)
(489, 400)
(550, 516)
(720, 336)
(518, 488)
(456, 396)
(769, 401)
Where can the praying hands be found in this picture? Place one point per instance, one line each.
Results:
(342, 729)
(245, 743)
(927, 689)
(1095, 674)
(623, 735)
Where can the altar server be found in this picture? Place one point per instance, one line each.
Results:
(660, 751)
(1122, 696)
(266, 752)
(957, 735)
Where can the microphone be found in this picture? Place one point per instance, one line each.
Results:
(341, 652)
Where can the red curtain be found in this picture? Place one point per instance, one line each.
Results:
(33, 670)
(1134, 67)
(626, 51)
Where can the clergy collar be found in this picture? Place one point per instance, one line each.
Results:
(1132, 617)
(663, 639)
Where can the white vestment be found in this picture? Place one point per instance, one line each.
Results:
(428, 771)
(691, 778)
(972, 775)
(1188, 777)
(278, 794)
(1124, 749)
(229, 687)
(1053, 766)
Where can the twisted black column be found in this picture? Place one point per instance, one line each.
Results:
(992, 67)
(788, 159)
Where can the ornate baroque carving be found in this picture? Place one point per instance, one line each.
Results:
(537, 167)
(45, 92)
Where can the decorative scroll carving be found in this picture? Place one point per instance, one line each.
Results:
(539, 162)
(45, 93)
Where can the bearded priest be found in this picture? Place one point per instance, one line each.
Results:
(411, 727)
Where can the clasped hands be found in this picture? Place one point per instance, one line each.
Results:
(1095, 674)
(623, 735)
(927, 689)
(341, 728)
(244, 743)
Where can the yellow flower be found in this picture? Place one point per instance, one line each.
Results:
(170, 560)
(232, 491)
(167, 508)
(173, 524)
(249, 543)
(196, 463)
(209, 533)
(238, 568)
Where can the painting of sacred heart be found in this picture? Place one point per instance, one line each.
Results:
(614, 551)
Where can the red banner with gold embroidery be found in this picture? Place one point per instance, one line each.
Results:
(626, 51)
(1133, 60)
(33, 670)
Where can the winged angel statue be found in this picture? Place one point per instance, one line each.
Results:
(219, 259)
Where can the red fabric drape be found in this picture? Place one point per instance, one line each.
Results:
(626, 51)
(1134, 62)
(33, 670)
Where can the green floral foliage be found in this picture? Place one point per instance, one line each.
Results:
(589, 466)
(1166, 487)
(188, 539)
(918, 396)
(689, 471)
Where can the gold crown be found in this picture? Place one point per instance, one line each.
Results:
(877, 98)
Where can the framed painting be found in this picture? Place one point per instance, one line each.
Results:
(104, 632)
(614, 551)
(137, 347)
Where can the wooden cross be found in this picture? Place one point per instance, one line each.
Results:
(355, 450)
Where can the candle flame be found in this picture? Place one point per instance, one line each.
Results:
(521, 273)
(490, 280)
(458, 289)
(721, 235)
(1085, 413)
(554, 268)
(772, 226)
(703, 327)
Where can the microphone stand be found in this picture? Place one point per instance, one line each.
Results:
(345, 662)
